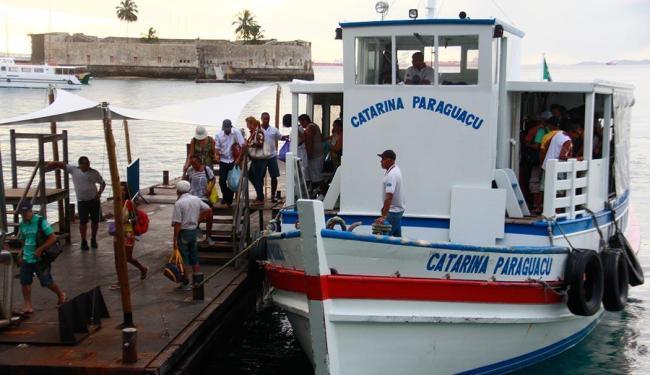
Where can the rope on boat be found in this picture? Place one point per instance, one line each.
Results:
(560, 292)
(603, 243)
(552, 221)
(232, 260)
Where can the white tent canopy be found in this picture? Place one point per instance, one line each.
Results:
(210, 111)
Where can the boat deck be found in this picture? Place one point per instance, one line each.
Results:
(170, 325)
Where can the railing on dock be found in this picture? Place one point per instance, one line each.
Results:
(565, 188)
(241, 212)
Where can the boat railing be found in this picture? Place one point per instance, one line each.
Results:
(565, 188)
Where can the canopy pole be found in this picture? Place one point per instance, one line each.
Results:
(118, 239)
(128, 141)
(55, 157)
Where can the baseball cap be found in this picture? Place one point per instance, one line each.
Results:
(200, 133)
(183, 186)
(25, 206)
(226, 124)
(388, 154)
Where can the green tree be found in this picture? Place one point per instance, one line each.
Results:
(151, 36)
(246, 26)
(127, 11)
(256, 33)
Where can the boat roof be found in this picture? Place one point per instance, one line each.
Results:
(598, 86)
(435, 21)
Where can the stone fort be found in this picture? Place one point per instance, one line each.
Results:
(176, 58)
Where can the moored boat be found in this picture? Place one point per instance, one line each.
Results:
(40, 76)
(477, 283)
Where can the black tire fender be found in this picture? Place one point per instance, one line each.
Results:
(584, 277)
(635, 271)
(615, 269)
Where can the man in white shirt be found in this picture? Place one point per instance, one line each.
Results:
(271, 137)
(419, 73)
(225, 143)
(189, 210)
(559, 147)
(392, 194)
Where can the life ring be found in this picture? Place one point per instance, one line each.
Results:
(69, 82)
(584, 277)
(331, 223)
(634, 269)
(616, 279)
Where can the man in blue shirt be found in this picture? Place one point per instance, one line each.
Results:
(29, 257)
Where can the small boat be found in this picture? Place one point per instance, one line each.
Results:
(477, 283)
(40, 76)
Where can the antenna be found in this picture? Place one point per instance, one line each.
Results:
(7, 33)
(430, 9)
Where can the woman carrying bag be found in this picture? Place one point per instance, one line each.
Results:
(258, 154)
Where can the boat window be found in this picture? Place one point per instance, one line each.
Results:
(415, 59)
(458, 60)
(13, 69)
(38, 70)
(26, 70)
(58, 71)
(2, 68)
(373, 65)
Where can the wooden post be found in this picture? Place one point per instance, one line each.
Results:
(128, 141)
(118, 244)
(55, 157)
(3, 204)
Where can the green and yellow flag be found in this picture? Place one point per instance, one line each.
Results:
(546, 75)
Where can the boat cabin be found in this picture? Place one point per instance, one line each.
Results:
(446, 96)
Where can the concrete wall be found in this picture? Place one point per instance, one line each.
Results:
(175, 58)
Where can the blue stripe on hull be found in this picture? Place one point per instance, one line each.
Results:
(536, 356)
(539, 228)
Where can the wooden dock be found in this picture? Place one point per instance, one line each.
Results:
(172, 329)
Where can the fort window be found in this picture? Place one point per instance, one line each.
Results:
(87, 59)
(67, 59)
(159, 60)
(112, 59)
(135, 59)
(250, 62)
(290, 61)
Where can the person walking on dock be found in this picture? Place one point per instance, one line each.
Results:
(201, 179)
(130, 219)
(227, 141)
(85, 180)
(255, 146)
(392, 194)
(189, 210)
(30, 257)
(270, 163)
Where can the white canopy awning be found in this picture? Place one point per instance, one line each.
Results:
(210, 111)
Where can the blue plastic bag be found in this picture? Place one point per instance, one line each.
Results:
(233, 178)
(282, 154)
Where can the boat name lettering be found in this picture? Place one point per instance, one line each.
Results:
(478, 264)
(418, 102)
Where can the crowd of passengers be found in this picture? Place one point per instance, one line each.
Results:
(555, 134)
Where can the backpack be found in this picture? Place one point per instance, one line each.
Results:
(51, 253)
(141, 225)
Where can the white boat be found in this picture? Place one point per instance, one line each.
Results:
(37, 76)
(476, 284)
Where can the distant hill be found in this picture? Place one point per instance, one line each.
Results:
(617, 62)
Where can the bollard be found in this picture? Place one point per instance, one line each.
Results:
(198, 290)
(152, 190)
(165, 178)
(129, 345)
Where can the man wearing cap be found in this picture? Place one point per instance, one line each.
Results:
(29, 257)
(203, 146)
(392, 194)
(227, 140)
(85, 180)
(189, 211)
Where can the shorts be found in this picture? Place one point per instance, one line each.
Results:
(188, 246)
(395, 220)
(315, 170)
(272, 166)
(88, 209)
(42, 270)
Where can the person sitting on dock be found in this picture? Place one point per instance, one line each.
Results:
(313, 141)
(271, 137)
(201, 180)
(393, 195)
(29, 258)
(255, 149)
(227, 140)
(189, 211)
(85, 181)
(419, 73)
(203, 146)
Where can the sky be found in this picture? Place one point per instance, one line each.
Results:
(567, 31)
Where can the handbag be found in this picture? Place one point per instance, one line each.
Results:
(174, 269)
(51, 253)
(233, 178)
(213, 192)
(262, 152)
(282, 154)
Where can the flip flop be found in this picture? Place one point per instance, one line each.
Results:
(65, 299)
(114, 287)
(143, 275)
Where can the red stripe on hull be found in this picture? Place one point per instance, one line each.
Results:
(411, 289)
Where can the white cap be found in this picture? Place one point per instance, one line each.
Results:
(183, 186)
(200, 133)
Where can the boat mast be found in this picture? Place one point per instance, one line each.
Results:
(430, 9)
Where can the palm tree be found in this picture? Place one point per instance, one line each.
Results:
(151, 36)
(127, 11)
(256, 33)
(246, 25)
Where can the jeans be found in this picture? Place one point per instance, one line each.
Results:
(395, 220)
(256, 175)
(226, 193)
(188, 246)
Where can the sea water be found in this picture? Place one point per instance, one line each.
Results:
(619, 344)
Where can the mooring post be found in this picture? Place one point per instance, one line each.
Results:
(198, 289)
(118, 239)
(129, 345)
(166, 178)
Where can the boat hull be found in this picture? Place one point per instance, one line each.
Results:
(37, 84)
